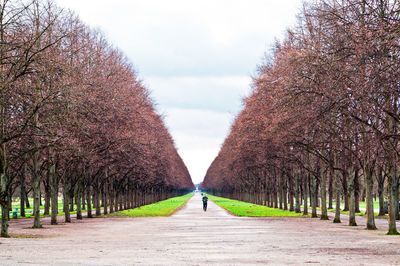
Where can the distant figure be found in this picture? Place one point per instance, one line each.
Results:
(205, 199)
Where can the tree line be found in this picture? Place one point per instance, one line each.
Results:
(76, 119)
(321, 125)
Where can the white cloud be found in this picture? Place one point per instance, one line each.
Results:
(198, 123)
(198, 161)
(218, 93)
(198, 135)
(207, 37)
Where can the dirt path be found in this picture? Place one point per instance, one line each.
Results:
(194, 237)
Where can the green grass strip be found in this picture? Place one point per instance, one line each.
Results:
(161, 208)
(240, 208)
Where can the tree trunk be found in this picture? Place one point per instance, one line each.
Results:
(363, 194)
(396, 197)
(28, 205)
(121, 199)
(134, 196)
(393, 182)
(97, 199)
(290, 193)
(47, 195)
(4, 190)
(313, 198)
(285, 195)
(4, 178)
(53, 193)
(352, 215)
(381, 201)
(71, 199)
(297, 194)
(4, 216)
(276, 204)
(89, 201)
(337, 190)
(9, 202)
(369, 184)
(324, 211)
(345, 192)
(78, 200)
(111, 196)
(116, 200)
(66, 194)
(104, 194)
(281, 193)
(380, 177)
(125, 199)
(305, 209)
(317, 185)
(36, 190)
(330, 190)
(22, 179)
(128, 197)
(83, 198)
(357, 192)
(131, 197)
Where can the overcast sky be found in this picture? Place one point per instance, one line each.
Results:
(196, 58)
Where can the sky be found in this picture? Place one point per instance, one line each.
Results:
(195, 57)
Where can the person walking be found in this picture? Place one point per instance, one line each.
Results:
(205, 200)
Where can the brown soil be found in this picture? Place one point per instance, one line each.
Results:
(194, 237)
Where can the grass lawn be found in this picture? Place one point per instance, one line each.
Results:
(362, 204)
(29, 211)
(161, 208)
(240, 208)
(362, 213)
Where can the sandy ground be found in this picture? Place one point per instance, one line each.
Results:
(194, 237)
